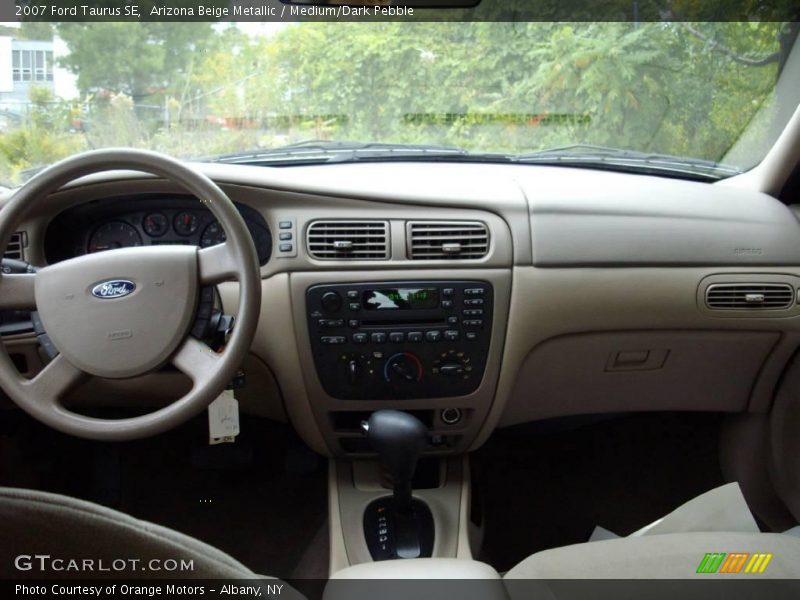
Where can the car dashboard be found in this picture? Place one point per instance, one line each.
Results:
(474, 296)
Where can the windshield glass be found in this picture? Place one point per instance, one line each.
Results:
(692, 90)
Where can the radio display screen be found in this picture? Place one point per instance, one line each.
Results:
(400, 298)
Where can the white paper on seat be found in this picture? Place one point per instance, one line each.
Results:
(721, 509)
(601, 533)
(795, 531)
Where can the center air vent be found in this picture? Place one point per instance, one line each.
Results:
(15, 247)
(749, 296)
(348, 240)
(449, 240)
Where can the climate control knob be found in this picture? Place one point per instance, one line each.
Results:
(453, 363)
(403, 367)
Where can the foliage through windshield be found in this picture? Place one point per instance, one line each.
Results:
(200, 90)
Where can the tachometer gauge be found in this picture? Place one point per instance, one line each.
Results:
(114, 234)
(155, 224)
(185, 223)
(214, 234)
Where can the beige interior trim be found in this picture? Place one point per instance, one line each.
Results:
(548, 303)
(338, 558)
(771, 174)
(464, 548)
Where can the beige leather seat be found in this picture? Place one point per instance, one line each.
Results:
(63, 529)
(673, 547)
(662, 556)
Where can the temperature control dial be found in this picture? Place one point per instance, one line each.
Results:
(403, 367)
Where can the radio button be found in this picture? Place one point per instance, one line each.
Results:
(433, 336)
(378, 337)
(448, 292)
(414, 336)
(472, 312)
(447, 304)
(397, 337)
(352, 294)
(471, 335)
(474, 291)
(451, 335)
(353, 323)
(332, 340)
(329, 323)
(473, 302)
(452, 320)
(473, 322)
(359, 338)
(354, 306)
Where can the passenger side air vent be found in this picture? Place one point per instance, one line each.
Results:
(448, 240)
(16, 247)
(749, 296)
(348, 240)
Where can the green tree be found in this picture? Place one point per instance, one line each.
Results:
(137, 59)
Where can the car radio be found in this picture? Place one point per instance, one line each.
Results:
(400, 340)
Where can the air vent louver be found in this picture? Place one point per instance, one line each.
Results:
(15, 248)
(749, 296)
(447, 240)
(348, 240)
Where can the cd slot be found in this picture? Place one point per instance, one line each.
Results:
(401, 322)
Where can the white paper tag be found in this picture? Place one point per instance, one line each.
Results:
(223, 419)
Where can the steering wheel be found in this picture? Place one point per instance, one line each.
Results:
(126, 312)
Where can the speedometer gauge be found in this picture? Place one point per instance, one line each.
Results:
(214, 234)
(114, 234)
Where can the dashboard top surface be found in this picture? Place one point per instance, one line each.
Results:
(557, 216)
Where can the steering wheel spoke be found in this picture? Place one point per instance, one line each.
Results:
(17, 291)
(196, 360)
(217, 264)
(57, 378)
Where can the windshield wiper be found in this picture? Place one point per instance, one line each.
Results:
(324, 151)
(589, 155)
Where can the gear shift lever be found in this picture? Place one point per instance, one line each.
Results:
(398, 438)
(398, 527)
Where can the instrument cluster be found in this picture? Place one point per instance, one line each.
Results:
(123, 223)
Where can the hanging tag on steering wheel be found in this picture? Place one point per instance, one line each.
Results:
(223, 419)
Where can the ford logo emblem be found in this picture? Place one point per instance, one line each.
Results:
(116, 288)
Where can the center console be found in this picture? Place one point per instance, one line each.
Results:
(429, 347)
(400, 339)
(404, 339)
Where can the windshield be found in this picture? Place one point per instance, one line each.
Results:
(197, 90)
